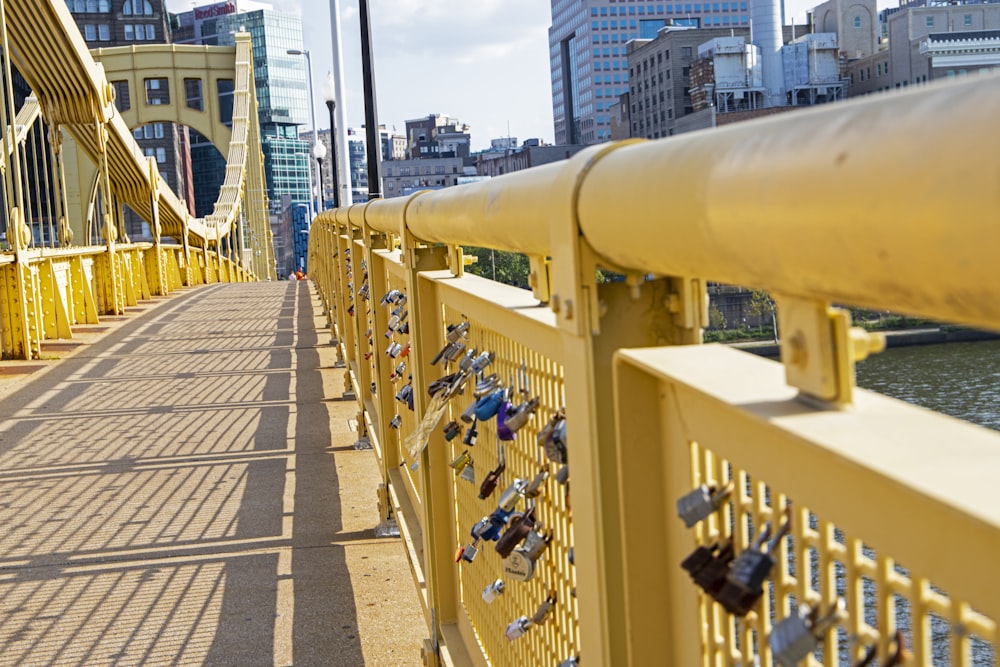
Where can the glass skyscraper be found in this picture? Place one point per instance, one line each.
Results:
(588, 55)
(282, 98)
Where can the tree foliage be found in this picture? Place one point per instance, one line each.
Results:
(510, 268)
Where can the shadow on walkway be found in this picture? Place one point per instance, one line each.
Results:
(172, 494)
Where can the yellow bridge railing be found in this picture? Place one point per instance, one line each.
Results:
(71, 165)
(882, 516)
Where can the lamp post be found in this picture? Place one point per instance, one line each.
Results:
(312, 117)
(330, 95)
(319, 150)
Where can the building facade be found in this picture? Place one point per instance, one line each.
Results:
(404, 177)
(107, 23)
(588, 55)
(437, 135)
(532, 153)
(282, 98)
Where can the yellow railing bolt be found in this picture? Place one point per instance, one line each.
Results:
(864, 344)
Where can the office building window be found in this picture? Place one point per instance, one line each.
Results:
(90, 32)
(857, 21)
(137, 8)
(104, 32)
(192, 93)
(930, 21)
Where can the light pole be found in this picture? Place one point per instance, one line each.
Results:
(312, 117)
(319, 150)
(330, 95)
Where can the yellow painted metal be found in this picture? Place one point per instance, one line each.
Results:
(647, 423)
(831, 198)
(709, 414)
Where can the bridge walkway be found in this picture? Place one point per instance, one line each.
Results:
(184, 490)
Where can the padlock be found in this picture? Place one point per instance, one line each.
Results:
(552, 437)
(405, 394)
(512, 494)
(489, 484)
(701, 503)
(396, 422)
(493, 591)
(520, 564)
(746, 576)
(516, 419)
(394, 322)
(481, 361)
(534, 488)
(394, 350)
(544, 609)
(441, 385)
(572, 661)
(397, 373)
(469, 473)
(795, 637)
(467, 552)
(562, 475)
(452, 430)
(391, 297)
(388, 333)
(396, 311)
(368, 355)
(404, 329)
(350, 310)
(471, 435)
(517, 529)
(518, 627)
(486, 385)
(405, 352)
(503, 432)
(454, 351)
(469, 415)
(489, 527)
(489, 405)
(710, 576)
(460, 462)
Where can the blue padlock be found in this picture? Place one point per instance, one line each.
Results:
(489, 406)
(489, 528)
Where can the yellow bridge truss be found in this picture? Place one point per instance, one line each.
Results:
(71, 164)
(888, 203)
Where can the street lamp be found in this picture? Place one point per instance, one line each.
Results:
(319, 150)
(312, 117)
(330, 95)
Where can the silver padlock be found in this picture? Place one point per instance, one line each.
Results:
(394, 349)
(486, 385)
(469, 473)
(468, 552)
(518, 627)
(795, 637)
(493, 591)
(701, 503)
(519, 416)
(544, 609)
(513, 493)
(520, 565)
(572, 661)
(482, 361)
(534, 488)
(396, 422)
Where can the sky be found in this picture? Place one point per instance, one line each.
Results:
(483, 62)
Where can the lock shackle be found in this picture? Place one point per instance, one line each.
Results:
(820, 625)
(783, 530)
(898, 657)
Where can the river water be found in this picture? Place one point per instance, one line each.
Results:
(958, 379)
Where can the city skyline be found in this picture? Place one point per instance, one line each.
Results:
(450, 57)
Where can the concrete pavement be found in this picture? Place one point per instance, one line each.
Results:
(182, 490)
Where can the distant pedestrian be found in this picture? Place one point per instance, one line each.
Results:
(291, 276)
(299, 275)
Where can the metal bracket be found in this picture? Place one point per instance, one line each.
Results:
(819, 348)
